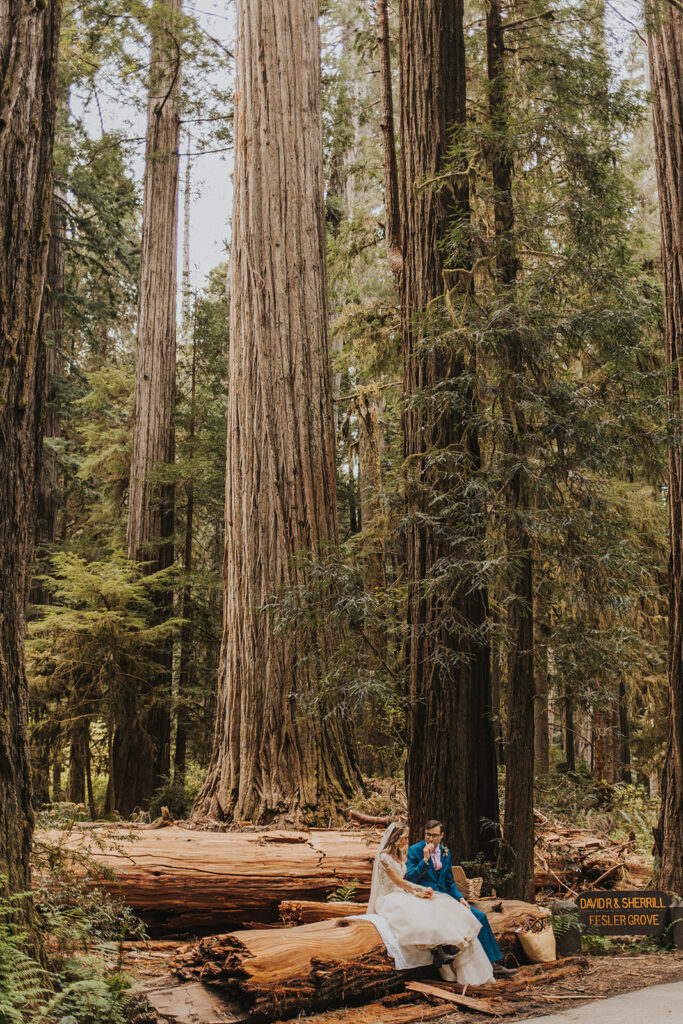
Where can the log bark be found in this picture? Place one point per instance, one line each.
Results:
(180, 879)
(29, 36)
(278, 751)
(451, 768)
(282, 972)
(141, 744)
(665, 45)
(504, 915)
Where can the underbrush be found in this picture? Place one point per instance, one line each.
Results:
(73, 972)
(579, 800)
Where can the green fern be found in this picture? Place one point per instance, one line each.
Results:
(22, 980)
(345, 893)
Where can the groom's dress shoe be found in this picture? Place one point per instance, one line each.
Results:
(441, 955)
(503, 972)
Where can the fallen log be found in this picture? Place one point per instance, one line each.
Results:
(190, 1002)
(179, 879)
(369, 819)
(280, 973)
(294, 912)
(526, 978)
(504, 915)
(571, 859)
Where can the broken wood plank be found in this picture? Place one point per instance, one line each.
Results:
(489, 1007)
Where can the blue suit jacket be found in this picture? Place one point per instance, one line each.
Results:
(426, 874)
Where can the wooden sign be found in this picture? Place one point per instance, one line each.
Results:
(612, 912)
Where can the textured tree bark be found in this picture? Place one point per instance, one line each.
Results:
(179, 727)
(542, 682)
(391, 198)
(517, 850)
(451, 768)
(185, 674)
(568, 730)
(603, 742)
(141, 749)
(77, 749)
(624, 733)
(369, 408)
(276, 749)
(665, 45)
(29, 38)
(52, 329)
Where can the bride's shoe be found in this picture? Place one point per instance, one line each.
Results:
(447, 973)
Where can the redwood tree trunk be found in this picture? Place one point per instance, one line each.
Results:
(451, 769)
(517, 850)
(52, 327)
(29, 36)
(542, 681)
(665, 45)
(141, 751)
(276, 750)
(391, 198)
(80, 734)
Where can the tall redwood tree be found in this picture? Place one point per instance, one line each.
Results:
(451, 770)
(29, 36)
(276, 750)
(141, 745)
(517, 851)
(665, 45)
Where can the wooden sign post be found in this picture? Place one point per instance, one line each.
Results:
(612, 912)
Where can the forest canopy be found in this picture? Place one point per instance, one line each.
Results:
(443, 545)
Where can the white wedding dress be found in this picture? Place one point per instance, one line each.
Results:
(417, 925)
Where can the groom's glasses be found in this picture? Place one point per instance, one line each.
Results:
(433, 836)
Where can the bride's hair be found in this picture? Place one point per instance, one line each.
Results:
(395, 838)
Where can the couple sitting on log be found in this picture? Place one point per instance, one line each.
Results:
(421, 914)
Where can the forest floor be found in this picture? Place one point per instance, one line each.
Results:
(606, 976)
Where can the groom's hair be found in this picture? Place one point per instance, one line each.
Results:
(432, 824)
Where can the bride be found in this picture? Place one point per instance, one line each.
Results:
(422, 921)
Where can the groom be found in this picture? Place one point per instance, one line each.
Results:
(429, 863)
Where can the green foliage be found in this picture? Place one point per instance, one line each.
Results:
(69, 986)
(178, 795)
(596, 945)
(576, 799)
(563, 922)
(22, 979)
(345, 893)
